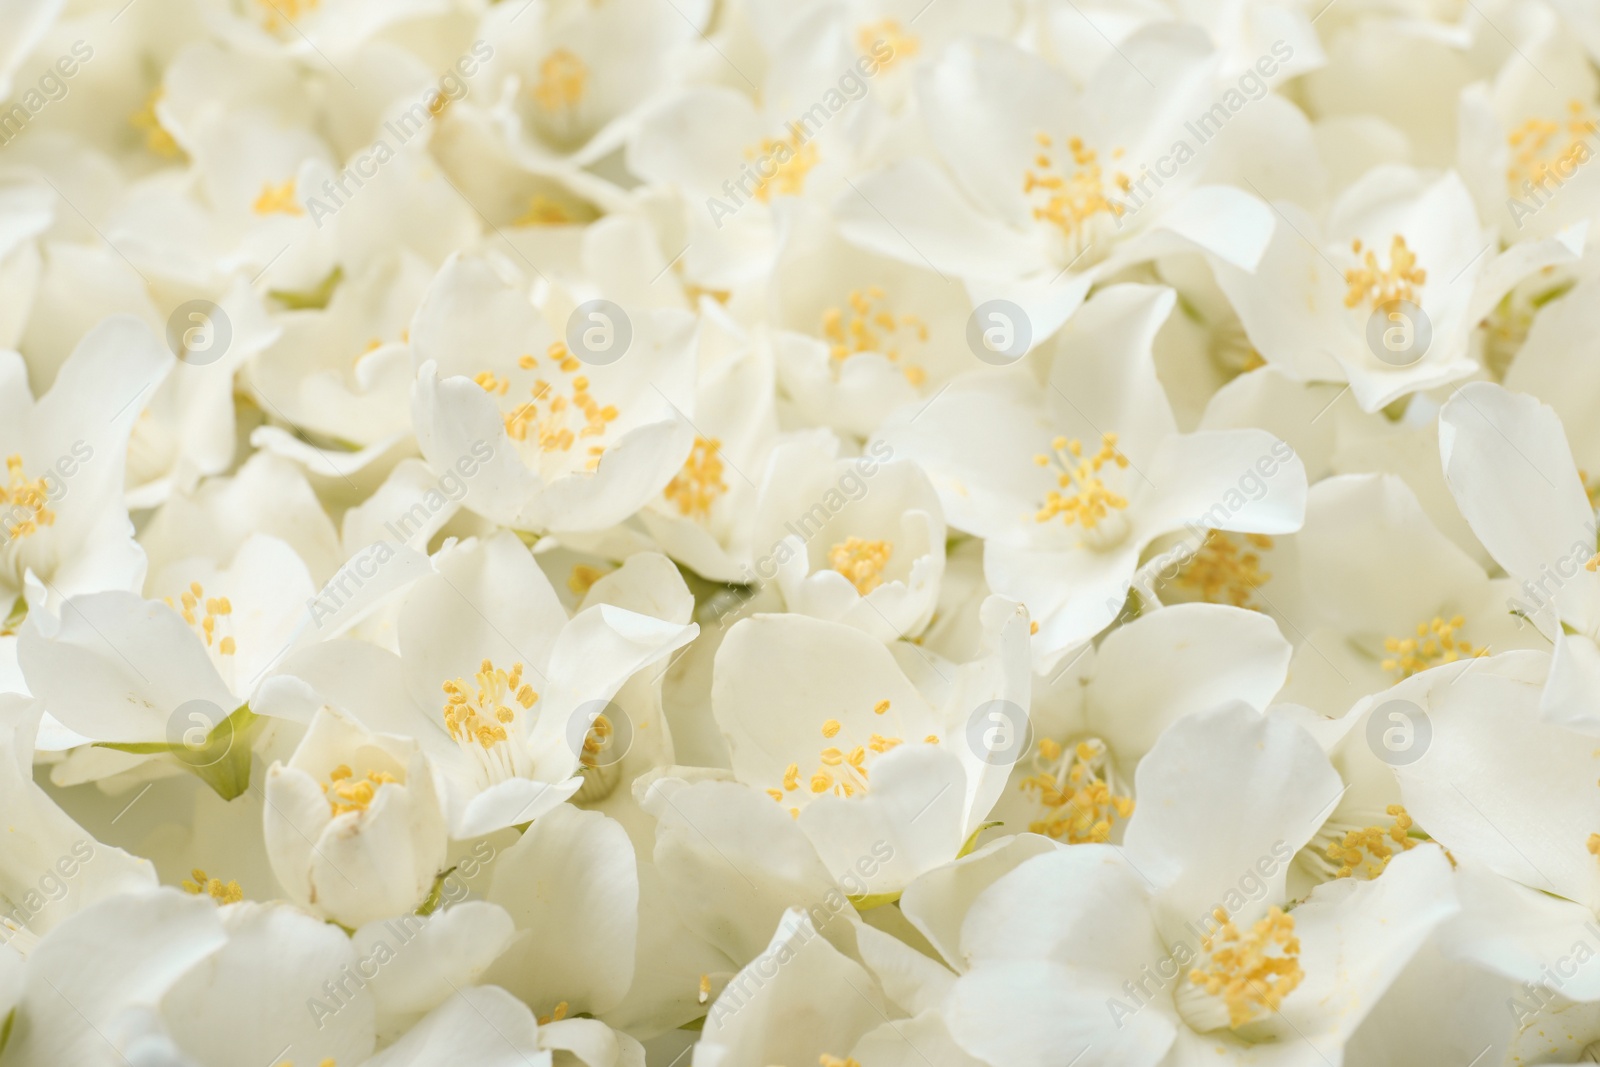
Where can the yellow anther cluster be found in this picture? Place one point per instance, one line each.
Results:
(1594, 845)
(558, 1013)
(278, 14)
(704, 993)
(1537, 155)
(1369, 849)
(1437, 641)
(547, 414)
(218, 890)
(482, 717)
(562, 77)
(861, 561)
(902, 45)
(698, 485)
(595, 741)
(278, 199)
(582, 578)
(1082, 497)
(191, 602)
(325, 1063)
(1252, 972)
(1069, 201)
(1376, 285)
(1080, 805)
(826, 1060)
(24, 502)
(1225, 571)
(870, 326)
(789, 158)
(839, 771)
(543, 211)
(156, 138)
(345, 792)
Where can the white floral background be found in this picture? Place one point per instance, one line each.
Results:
(799, 533)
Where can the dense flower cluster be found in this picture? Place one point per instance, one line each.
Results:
(799, 533)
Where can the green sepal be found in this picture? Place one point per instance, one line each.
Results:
(223, 762)
(314, 299)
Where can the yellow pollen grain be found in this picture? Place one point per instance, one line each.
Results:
(1069, 201)
(24, 502)
(1226, 571)
(277, 200)
(875, 38)
(1376, 285)
(870, 325)
(1253, 971)
(215, 888)
(562, 78)
(347, 793)
(1369, 849)
(861, 561)
(696, 487)
(789, 159)
(1437, 641)
(1081, 496)
(481, 714)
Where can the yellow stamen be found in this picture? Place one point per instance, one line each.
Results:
(1437, 641)
(1375, 842)
(696, 487)
(1376, 285)
(1085, 499)
(870, 326)
(24, 502)
(1243, 969)
(1226, 572)
(215, 888)
(278, 199)
(562, 77)
(861, 561)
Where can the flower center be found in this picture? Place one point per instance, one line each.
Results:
(547, 417)
(562, 77)
(1075, 786)
(346, 792)
(1244, 974)
(789, 159)
(279, 14)
(202, 612)
(477, 719)
(1073, 203)
(557, 1013)
(1224, 571)
(25, 502)
(698, 485)
(218, 890)
(901, 45)
(157, 140)
(826, 1060)
(1081, 497)
(870, 326)
(1375, 285)
(543, 211)
(1436, 642)
(1537, 155)
(839, 771)
(277, 200)
(1366, 851)
(861, 561)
